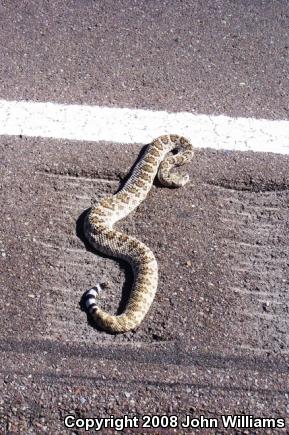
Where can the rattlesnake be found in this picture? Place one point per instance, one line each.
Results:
(101, 236)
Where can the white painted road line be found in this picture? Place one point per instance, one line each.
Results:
(121, 125)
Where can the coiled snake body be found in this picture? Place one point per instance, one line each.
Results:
(98, 229)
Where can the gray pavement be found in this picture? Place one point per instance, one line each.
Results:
(216, 339)
(225, 57)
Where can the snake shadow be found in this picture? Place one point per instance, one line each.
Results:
(123, 265)
(129, 279)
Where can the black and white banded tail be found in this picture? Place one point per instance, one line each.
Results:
(89, 298)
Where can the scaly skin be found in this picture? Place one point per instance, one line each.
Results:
(98, 229)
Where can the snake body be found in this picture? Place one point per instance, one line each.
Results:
(98, 230)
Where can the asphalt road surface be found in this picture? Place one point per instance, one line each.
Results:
(215, 341)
